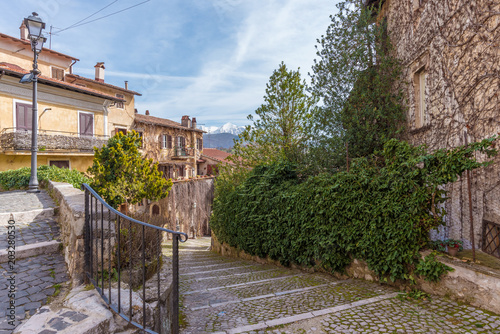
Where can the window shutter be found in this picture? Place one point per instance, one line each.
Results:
(24, 116)
(169, 141)
(86, 124)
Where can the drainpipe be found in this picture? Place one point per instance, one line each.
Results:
(71, 66)
(105, 107)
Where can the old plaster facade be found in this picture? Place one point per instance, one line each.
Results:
(450, 52)
(75, 114)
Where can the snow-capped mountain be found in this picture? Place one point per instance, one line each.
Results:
(226, 128)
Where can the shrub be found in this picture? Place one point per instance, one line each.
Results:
(19, 178)
(431, 269)
(381, 211)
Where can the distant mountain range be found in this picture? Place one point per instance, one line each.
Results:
(218, 140)
(226, 128)
(220, 137)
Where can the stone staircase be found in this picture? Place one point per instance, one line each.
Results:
(229, 295)
(39, 268)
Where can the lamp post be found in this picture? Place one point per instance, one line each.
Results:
(35, 26)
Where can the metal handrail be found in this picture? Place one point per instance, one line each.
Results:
(113, 210)
(92, 260)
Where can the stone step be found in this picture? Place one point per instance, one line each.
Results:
(83, 312)
(39, 248)
(23, 217)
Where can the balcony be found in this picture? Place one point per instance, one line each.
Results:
(50, 141)
(183, 153)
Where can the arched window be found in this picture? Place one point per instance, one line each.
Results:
(155, 211)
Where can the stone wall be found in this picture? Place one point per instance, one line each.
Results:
(188, 206)
(455, 44)
(71, 221)
(22, 141)
(468, 283)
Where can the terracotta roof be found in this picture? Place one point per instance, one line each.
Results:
(77, 77)
(28, 43)
(147, 119)
(216, 154)
(14, 70)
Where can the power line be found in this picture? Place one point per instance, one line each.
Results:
(100, 10)
(102, 17)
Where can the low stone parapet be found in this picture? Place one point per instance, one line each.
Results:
(71, 221)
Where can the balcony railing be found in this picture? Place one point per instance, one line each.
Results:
(49, 140)
(183, 152)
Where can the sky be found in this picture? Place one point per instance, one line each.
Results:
(209, 59)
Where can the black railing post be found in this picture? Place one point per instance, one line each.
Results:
(94, 249)
(175, 284)
(86, 241)
(119, 269)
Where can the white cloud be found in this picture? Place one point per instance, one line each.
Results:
(209, 58)
(232, 81)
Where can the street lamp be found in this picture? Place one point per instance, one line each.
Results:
(35, 26)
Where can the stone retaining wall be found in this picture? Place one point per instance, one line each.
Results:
(71, 221)
(469, 283)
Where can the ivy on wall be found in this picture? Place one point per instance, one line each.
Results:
(381, 211)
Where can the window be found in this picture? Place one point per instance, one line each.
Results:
(58, 73)
(155, 210)
(419, 86)
(166, 141)
(122, 130)
(59, 163)
(86, 124)
(181, 171)
(181, 142)
(142, 140)
(24, 116)
(119, 105)
(199, 144)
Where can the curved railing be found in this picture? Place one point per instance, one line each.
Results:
(123, 252)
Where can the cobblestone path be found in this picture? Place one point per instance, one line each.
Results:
(225, 295)
(33, 279)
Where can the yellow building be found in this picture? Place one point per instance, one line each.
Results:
(75, 113)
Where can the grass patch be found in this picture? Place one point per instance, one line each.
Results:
(57, 291)
(52, 273)
(481, 258)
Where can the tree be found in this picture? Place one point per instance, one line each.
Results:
(356, 79)
(280, 132)
(122, 175)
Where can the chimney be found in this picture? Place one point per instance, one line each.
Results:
(24, 31)
(185, 121)
(147, 112)
(99, 72)
(126, 84)
(136, 111)
(193, 122)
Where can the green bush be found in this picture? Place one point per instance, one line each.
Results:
(381, 211)
(19, 178)
(431, 269)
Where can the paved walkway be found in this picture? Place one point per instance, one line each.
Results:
(33, 280)
(226, 295)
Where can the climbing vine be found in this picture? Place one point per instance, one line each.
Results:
(381, 211)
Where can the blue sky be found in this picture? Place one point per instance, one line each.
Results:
(210, 59)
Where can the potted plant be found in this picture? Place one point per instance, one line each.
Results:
(454, 246)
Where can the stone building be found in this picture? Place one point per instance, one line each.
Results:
(212, 158)
(450, 52)
(175, 146)
(74, 113)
